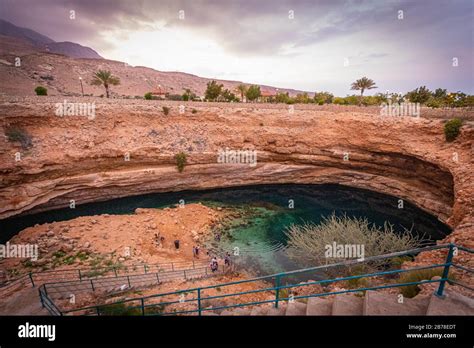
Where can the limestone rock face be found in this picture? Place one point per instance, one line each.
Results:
(129, 148)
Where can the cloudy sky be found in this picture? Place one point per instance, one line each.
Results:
(309, 45)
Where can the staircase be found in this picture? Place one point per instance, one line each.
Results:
(372, 303)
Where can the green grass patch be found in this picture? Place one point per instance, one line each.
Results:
(416, 276)
(120, 309)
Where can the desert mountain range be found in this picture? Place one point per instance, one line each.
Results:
(58, 66)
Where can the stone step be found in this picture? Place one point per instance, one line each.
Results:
(260, 310)
(377, 303)
(296, 308)
(281, 310)
(319, 306)
(227, 312)
(451, 304)
(241, 311)
(347, 304)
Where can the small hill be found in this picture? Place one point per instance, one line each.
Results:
(58, 66)
(42, 42)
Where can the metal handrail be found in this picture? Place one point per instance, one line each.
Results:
(277, 287)
(82, 272)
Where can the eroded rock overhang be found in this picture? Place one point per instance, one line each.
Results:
(74, 158)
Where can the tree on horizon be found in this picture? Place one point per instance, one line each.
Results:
(242, 89)
(362, 84)
(253, 92)
(105, 78)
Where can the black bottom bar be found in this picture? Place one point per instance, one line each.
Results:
(224, 331)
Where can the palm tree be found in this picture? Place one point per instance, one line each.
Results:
(242, 89)
(104, 77)
(363, 84)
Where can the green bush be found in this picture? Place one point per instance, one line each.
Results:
(339, 101)
(434, 103)
(416, 276)
(166, 110)
(148, 96)
(397, 262)
(16, 133)
(40, 90)
(352, 100)
(119, 309)
(356, 283)
(180, 161)
(253, 92)
(452, 129)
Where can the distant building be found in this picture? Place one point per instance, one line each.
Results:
(267, 96)
(159, 93)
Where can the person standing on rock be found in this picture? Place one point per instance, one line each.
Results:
(214, 265)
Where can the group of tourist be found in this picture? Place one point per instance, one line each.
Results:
(214, 264)
(196, 251)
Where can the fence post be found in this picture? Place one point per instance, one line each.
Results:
(31, 278)
(41, 297)
(128, 278)
(115, 272)
(277, 290)
(199, 301)
(80, 275)
(92, 284)
(143, 307)
(184, 274)
(144, 266)
(157, 278)
(449, 260)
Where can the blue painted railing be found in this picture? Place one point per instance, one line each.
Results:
(148, 306)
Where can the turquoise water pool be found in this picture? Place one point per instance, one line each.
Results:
(261, 216)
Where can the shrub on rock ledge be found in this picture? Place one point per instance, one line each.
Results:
(16, 133)
(452, 129)
(40, 90)
(180, 161)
